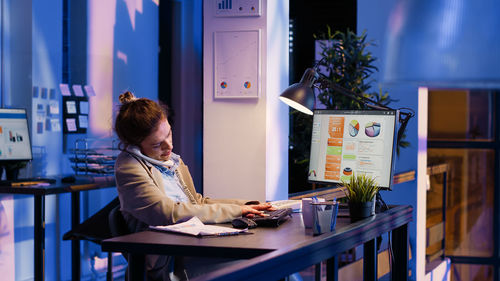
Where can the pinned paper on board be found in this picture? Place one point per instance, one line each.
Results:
(40, 109)
(52, 94)
(89, 90)
(71, 107)
(39, 127)
(71, 124)
(84, 107)
(65, 90)
(48, 125)
(54, 107)
(83, 121)
(55, 125)
(35, 92)
(43, 93)
(77, 89)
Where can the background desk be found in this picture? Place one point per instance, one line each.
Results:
(39, 192)
(274, 253)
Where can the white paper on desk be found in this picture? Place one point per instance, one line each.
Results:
(195, 227)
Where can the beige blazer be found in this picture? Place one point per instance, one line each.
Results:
(143, 200)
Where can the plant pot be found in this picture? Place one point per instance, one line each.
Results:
(360, 210)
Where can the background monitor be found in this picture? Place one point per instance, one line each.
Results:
(14, 135)
(346, 142)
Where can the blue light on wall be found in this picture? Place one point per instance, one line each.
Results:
(446, 43)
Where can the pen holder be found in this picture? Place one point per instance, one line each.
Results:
(307, 211)
(324, 216)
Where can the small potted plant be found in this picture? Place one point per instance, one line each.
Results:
(360, 191)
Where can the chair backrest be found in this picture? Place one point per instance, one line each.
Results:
(117, 224)
(92, 228)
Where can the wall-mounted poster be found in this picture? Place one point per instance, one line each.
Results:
(237, 64)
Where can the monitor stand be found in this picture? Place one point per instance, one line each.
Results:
(12, 168)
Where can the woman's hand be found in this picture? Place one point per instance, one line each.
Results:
(253, 210)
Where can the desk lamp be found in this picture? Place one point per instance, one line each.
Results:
(300, 96)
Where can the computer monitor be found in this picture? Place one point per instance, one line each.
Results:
(15, 142)
(347, 142)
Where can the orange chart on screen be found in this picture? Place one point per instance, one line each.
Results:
(334, 148)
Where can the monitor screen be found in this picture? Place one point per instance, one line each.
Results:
(14, 135)
(347, 142)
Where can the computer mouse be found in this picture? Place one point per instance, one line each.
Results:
(243, 223)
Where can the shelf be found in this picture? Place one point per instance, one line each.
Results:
(94, 156)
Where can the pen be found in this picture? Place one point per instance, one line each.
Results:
(228, 233)
(333, 219)
(25, 183)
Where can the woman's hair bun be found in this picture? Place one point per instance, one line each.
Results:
(126, 97)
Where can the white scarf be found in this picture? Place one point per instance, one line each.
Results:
(137, 152)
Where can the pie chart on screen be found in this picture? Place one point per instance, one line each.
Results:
(372, 129)
(353, 128)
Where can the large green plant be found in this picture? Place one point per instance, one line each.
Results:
(346, 62)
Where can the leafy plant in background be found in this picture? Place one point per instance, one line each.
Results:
(346, 62)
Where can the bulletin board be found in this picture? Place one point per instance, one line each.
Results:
(237, 67)
(75, 110)
(45, 108)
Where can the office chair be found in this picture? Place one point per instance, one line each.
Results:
(92, 230)
(117, 224)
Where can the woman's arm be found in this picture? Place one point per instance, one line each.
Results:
(187, 180)
(141, 197)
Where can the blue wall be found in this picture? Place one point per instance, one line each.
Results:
(32, 57)
(373, 16)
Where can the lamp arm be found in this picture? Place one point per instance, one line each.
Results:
(352, 95)
(404, 117)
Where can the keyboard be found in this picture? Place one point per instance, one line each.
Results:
(274, 218)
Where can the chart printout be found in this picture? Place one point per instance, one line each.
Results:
(347, 142)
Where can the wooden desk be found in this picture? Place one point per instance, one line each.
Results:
(274, 253)
(83, 183)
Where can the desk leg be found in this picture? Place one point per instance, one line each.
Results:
(39, 237)
(332, 269)
(400, 248)
(317, 272)
(75, 244)
(136, 268)
(370, 261)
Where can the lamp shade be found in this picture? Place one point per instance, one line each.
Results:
(300, 96)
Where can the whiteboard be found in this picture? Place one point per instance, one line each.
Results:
(237, 64)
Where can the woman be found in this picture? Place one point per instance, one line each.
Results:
(155, 186)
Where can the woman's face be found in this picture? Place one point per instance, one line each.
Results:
(158, 145)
